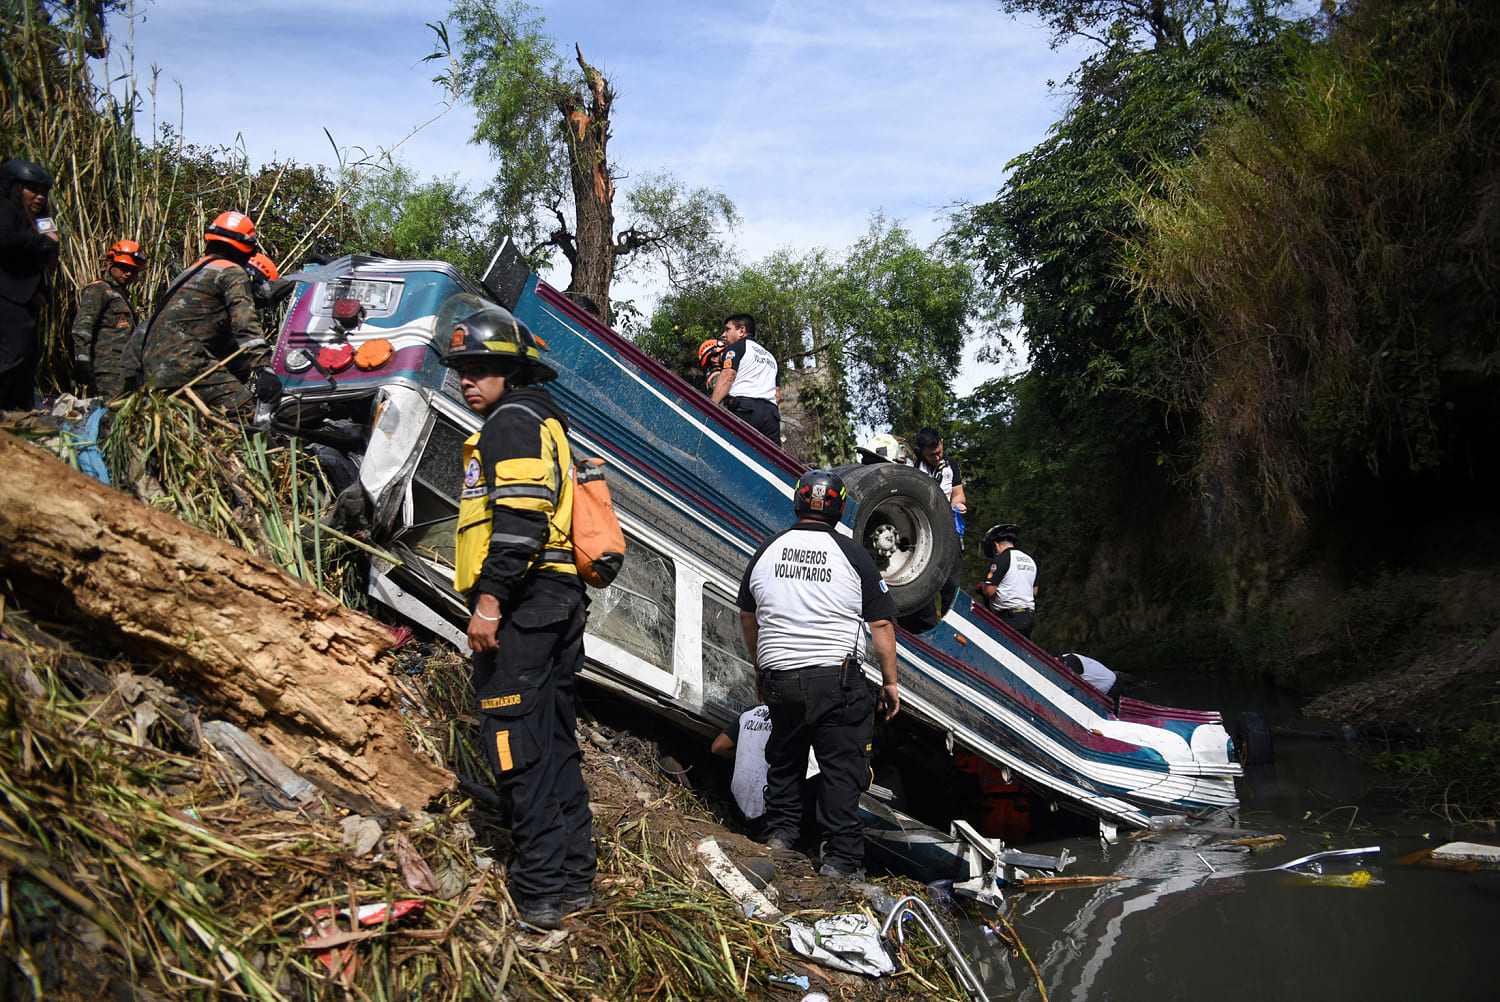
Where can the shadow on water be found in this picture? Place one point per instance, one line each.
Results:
(1199, 919)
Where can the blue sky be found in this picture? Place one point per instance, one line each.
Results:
(809, 115)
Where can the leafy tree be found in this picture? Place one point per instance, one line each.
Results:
(549, 127)
(397, 215)
(1168, 23)
(1334, 258)
(886, 320)
(1092, 434)
(903, 313)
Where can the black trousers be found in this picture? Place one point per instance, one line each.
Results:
(20, 354)
(527, 691)
(832, 711)
(1023, 621)
(762, 415)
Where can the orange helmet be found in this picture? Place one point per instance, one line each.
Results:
(235, 229)
(128, 253)
(263, 267)
(710, 352)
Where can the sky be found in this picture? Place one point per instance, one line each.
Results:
(809, 114)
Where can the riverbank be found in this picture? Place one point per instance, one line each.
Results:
(141, 861)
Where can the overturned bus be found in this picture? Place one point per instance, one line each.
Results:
(993, 731)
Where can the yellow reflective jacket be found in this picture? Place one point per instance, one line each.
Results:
(524, 439)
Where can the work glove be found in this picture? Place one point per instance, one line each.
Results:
(83, 371)
(265, 386)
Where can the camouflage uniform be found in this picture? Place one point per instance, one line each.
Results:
(101, 332)
(206, 319)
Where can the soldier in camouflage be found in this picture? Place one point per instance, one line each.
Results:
(104, 323)
(208, 318)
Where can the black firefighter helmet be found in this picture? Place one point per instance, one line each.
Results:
(1007, 532)
(820, 494)
(476, 328)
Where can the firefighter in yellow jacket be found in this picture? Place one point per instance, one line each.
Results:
(514, 562)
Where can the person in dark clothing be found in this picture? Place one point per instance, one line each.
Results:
(514, 561)
(206, 332)
(933, 461)
(28, 253)
(804, 601)
(104, 323)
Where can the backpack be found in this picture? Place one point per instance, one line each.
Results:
(598, 540)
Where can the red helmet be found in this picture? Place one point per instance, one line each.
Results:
(711, 352)
(128, 253)
(262, 267)
(235, 229)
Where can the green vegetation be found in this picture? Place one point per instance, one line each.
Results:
(884, 322)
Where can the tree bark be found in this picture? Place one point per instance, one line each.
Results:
(278, 658)
(586, 125)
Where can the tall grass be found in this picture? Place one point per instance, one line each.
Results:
(123, 169)
(1336, 255)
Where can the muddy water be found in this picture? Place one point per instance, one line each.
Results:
(1198, 922)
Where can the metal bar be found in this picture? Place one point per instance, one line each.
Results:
(938, 934)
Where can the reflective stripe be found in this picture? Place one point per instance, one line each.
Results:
(506, 537)
(502, 751)
(523, 491)
(557, 556)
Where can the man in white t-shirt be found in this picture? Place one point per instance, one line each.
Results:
(1094, 672)
(746, 382)
(744, 741)
(806, 598)
(1010, 587)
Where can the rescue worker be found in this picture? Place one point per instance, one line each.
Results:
(206, 332)
(28, 254)
(943, 468)
(711, 359)
(1010, 587)
(266, 283)
(750, 370)
(514, 562)
(804, 600)
(104, 323)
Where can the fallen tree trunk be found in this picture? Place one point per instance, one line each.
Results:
(284, 661)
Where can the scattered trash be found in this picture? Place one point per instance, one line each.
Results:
(799, 980)
(331, 944)
(815, 996)
(845, 943)
(1359, 878)
(752, 902)
(1309, 869)
(1330, 854)
(414, 869)
(362, 833)
(1253, 844)
(1052, 883)
(1456, 856)
(228, 739)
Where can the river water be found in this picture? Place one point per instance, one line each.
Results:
(1198, 922)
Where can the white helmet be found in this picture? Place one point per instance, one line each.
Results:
(887, 447)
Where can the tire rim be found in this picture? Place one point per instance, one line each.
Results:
(912, 524)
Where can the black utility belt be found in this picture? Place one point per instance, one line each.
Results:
(817, 671)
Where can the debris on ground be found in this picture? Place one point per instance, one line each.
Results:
(157, 840)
